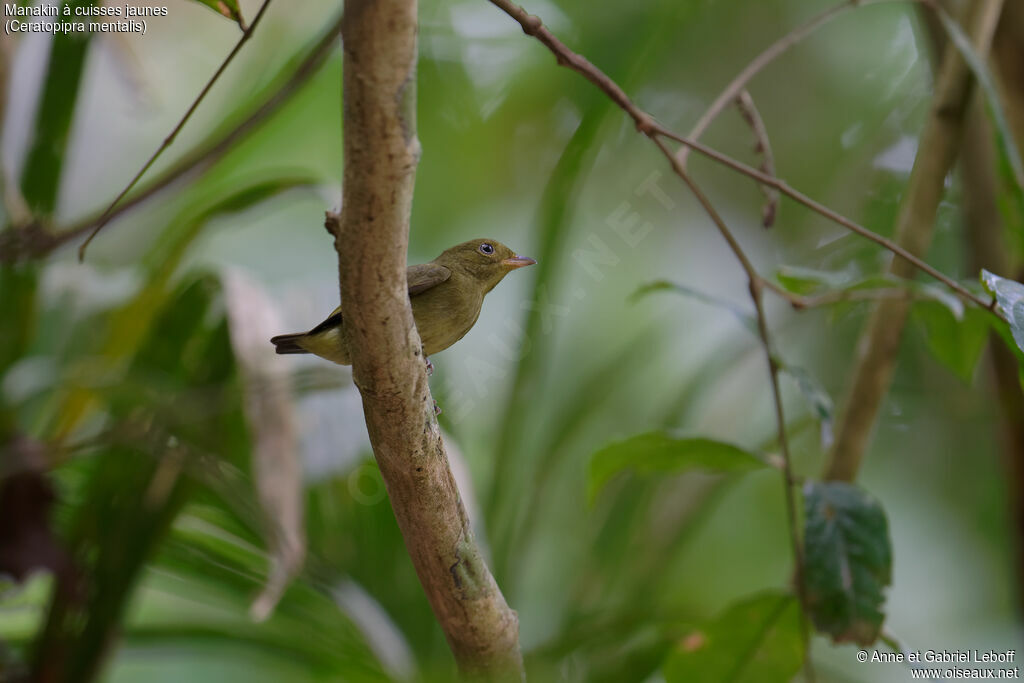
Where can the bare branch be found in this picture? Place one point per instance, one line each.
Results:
(763, 146)
(381, 152)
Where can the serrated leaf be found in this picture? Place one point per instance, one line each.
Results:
(756, 640)
(226, 8)
(848, 561)
(660, 452)
(957, 344)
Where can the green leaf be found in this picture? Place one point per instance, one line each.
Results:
(1009, 296)
(848, 561)
(748, 321)
(756, 640)
(226, 8)
(955, 344)
(660, 452)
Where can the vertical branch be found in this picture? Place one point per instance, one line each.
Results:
(371, 237)
(915, 221)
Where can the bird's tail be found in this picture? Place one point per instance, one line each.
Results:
(288, 343)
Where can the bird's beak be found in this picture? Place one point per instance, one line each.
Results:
(518, 261)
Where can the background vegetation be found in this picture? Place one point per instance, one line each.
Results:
(132, 385)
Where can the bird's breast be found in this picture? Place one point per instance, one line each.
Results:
(444, 314)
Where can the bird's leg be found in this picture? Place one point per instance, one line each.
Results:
(437, 408)
(430, 366)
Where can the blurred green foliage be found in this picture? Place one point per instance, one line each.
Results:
(123, 372)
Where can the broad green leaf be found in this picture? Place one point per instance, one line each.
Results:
(848, 561)
(757, 640)
(956, 344)
(226, 8)
(1009, 297)
(660, 452)
(745, 318)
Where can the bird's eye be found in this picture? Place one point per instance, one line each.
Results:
(486, 249)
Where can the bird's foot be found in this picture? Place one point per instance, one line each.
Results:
(430, 366)
(437, 408)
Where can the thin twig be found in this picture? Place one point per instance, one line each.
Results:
(646, 124)
(755, 282)
(207, 155)
(762, 146)
(246, 34)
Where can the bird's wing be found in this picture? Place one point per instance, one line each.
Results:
(426, 276)
(421, 278)
(333, 320)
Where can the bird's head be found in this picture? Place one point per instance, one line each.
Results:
(485, 260)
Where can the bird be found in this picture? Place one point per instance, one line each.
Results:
(446, 296)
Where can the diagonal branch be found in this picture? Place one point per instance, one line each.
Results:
(936, 153)
(381, 152)
(105, 218)
(763, 146)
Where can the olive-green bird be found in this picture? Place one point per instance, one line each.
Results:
(446, 296)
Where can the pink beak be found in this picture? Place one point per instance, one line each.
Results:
(518, 261)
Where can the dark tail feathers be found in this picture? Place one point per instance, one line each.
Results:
(288, 343)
